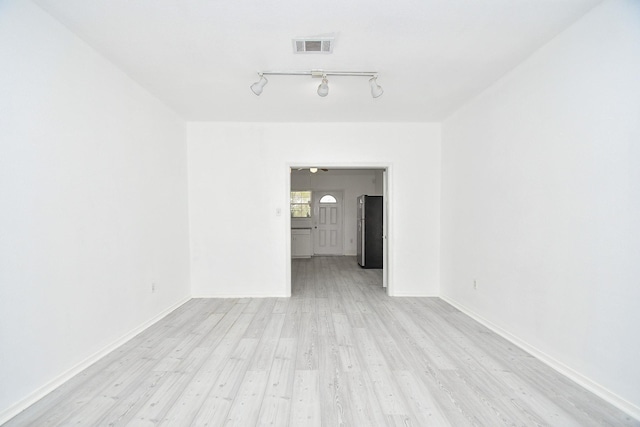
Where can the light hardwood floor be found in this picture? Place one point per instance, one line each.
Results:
(339, 352)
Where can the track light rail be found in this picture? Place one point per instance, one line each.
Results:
(323, 89)
(319, 73)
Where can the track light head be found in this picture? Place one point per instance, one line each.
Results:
(323, 88)
(376, 89)
(259, 85)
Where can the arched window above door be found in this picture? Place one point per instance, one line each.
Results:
(328, 198)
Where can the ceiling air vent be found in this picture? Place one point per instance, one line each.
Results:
(313, 45)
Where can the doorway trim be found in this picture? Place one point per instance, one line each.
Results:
(387, 190)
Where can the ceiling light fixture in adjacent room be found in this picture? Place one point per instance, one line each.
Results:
(323, 88)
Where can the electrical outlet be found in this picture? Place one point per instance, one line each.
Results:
(475, 284)
(153, 287)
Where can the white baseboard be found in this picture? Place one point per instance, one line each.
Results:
(402, 295)
(227, 296)
(592, 386)
(41, 392)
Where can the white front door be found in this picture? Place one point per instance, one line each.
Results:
(327, 223)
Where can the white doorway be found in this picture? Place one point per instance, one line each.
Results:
(352, 182)
(327, 222)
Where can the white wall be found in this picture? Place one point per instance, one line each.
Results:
(541, 203)
(93, 204)
(378, 181)
(241, 249)
(353, 183)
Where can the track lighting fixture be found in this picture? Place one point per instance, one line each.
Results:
(323, 88)
(259, 85)
(376, 89)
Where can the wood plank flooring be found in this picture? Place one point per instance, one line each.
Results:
(339, 352)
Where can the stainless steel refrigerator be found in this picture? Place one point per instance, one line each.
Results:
(369, 239)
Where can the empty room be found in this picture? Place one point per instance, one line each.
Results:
(348, 213)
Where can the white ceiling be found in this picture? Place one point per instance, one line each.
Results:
(200, 56)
